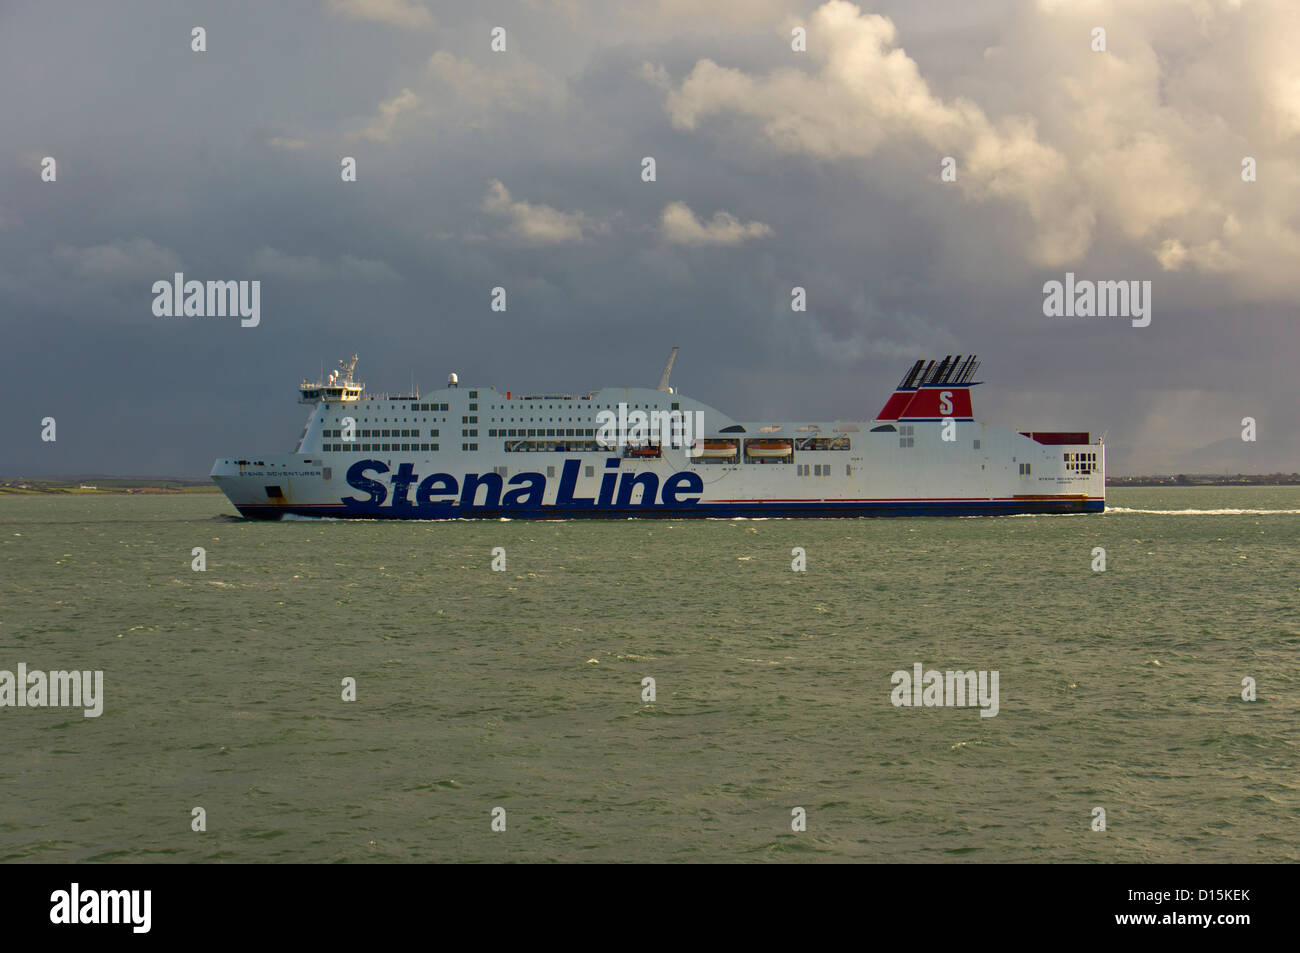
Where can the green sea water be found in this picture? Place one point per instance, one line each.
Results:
(523, 689)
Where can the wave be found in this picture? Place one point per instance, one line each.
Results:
(1221, 512)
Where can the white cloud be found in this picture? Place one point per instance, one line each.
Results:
(400, 13)
(679, 226)
(1142, 142)
(119, 260)
(538, 224)
(380, 129)
(286, 145)
(515, 84)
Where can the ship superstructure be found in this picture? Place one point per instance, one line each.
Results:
(476, 452)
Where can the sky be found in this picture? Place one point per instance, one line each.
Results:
(795, 145)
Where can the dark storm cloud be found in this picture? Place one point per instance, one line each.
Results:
(522, 169)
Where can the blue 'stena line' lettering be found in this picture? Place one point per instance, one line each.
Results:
(523, 490)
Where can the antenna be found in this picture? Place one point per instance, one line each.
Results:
(668, 369)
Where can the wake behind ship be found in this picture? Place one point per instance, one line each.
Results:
(616, 453)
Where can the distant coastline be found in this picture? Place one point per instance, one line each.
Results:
(92, 486)
(1214, 479)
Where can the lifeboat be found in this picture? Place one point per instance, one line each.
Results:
(717, 450)
(643, 452)
(768, 449)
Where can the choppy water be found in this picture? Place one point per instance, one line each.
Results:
(522, 689)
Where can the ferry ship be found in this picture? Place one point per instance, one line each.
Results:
(616, 453)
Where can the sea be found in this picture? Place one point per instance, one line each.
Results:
(336, 691)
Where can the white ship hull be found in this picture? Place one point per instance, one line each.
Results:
(475, 453)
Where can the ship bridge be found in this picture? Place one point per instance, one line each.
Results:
(339, 387)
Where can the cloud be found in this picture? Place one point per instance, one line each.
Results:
(1140, 142)
(537, 224)
(407, 14)
(679, 226)
(366, 269)
(381, 128)
(869, 94)
(272, 263)
(514, 85)
(283, 144)
(120, 260)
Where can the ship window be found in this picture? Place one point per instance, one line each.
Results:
(473, 406)
(550, 471)
(473, 394)
(977, 444)
(433, 447)
(848, 469)
(591, 471)
(328, 473)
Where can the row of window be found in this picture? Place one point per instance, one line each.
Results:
(543, 432)
(820, 469)
(380, 447)
(1083, 463)
(382, 433)
(822, 443)
(1025, 469)
(547, 446)
(473, 406)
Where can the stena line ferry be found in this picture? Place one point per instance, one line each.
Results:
(476, 452)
